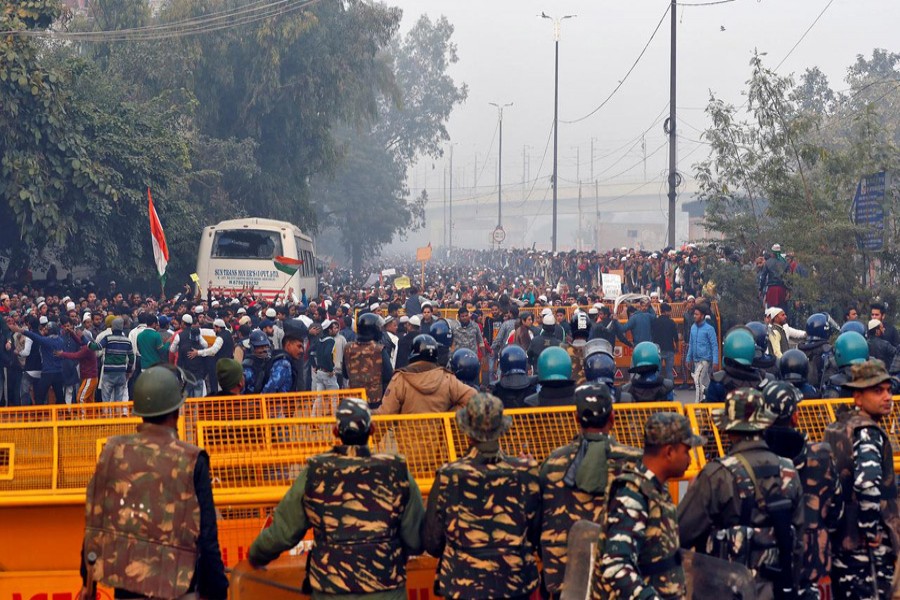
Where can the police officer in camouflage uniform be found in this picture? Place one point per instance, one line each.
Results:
(367, 362)
(747, 507)
(822, 497)
(150, 518)
(850, 349)
(365, 511)
(483, 518)
(638, 554)
(574, 479)
(647, 383)
(866, 543)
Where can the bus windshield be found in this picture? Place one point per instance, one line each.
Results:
(247, 243)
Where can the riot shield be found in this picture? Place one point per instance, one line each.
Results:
(709, 577)
(580, 563)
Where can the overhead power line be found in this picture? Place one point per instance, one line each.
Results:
(802, 37)
(624, 79)
(250, 13)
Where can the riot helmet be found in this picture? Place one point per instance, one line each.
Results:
(818, 327)
(760, 335)
(513, 361)
(793, 366)
(645, 358)
(856, 326)
(368, 327)
(465, 365)
(600, 367)
(850, 348)
(739, 347)
(441, 332)
(598, 345)
(424, 348)
(157, 392)
(581, 326)
(554, 364)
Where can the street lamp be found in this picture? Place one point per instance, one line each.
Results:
(556, 28)
(500, 108)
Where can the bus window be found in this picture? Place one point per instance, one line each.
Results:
(247, 243)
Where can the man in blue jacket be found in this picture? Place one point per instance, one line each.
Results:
(51, 365)
(703, 351)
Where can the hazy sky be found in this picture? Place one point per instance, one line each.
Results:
(506, 55)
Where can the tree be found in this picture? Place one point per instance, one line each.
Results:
(280, 87)
(412, 122)
(786, 176)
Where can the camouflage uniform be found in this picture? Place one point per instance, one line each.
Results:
(865, 463)
(574, 481)
(365, 511)
(638, 553)
(483, 515)
(577, 357)
(726, 511)
(822, 497)
(143, 517)
(363, 368)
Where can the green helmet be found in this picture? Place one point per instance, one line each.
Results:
(646, 354)
(554, 364)
(740, 347)
(746, 411)
(157, 392)
(850, 349)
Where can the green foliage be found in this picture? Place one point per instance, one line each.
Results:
(48, 170)
(238, 122)
(788, 174)
(411, 122)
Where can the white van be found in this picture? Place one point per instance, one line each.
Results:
(239, 255)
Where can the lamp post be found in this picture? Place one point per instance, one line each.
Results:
(556, 27)
(500, 108)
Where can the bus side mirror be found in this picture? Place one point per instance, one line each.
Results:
(320, 270)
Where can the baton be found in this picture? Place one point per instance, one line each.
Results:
(90, 584)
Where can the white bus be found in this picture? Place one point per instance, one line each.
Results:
(239, 255)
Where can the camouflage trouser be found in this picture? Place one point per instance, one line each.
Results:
(851, 574)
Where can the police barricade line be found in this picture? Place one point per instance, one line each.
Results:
(813, 416)
(248, 454)
(55, 460)
(290, 404)
(62, 412)
(56, 456)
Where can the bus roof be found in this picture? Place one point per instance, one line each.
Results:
(261, 223)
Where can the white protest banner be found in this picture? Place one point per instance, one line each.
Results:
(612, 285)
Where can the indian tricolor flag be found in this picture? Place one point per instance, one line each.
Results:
(158, 238)
(287, 265)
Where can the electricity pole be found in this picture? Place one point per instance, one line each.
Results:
(500, 108)
(556, 23)
(451, 197)
(673, 175)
